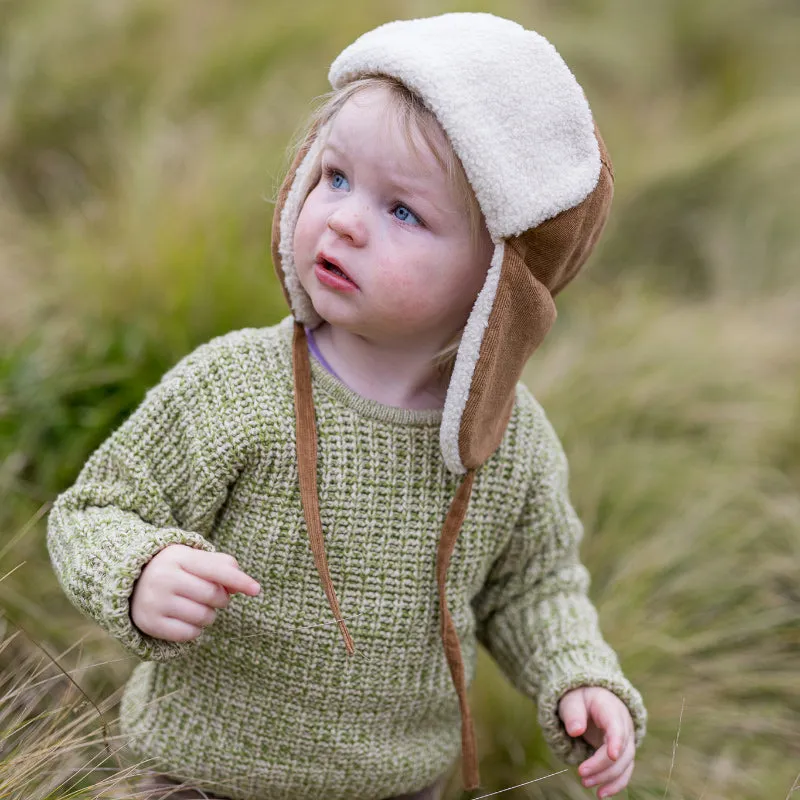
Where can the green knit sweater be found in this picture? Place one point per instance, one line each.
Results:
(266, 704)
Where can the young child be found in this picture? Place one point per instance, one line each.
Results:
(305, 550)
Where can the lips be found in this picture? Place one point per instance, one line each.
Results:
(332, 265)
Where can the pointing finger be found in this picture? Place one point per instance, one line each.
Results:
(222, 569)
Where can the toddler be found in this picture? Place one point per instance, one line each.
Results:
(304, 530)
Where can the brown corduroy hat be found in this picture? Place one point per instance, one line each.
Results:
(522, 128)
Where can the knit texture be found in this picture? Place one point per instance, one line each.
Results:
(266, 704)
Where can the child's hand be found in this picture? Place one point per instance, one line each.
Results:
(179, 589)
(605, 722)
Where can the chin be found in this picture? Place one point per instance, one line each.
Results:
(330, 310)
(329, 315)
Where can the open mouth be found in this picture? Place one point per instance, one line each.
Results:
(334, 269)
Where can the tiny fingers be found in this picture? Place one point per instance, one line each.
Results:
(195, 614)
(176, 630)
(612, 770)
(597, 763)
(618, 785)
(615, 745)
(620, 738)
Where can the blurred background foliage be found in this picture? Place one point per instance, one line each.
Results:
(141, 145)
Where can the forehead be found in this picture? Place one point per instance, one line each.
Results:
(370, 126)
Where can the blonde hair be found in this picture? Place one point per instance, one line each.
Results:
(413, 113)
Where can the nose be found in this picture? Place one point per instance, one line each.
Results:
(348, 221)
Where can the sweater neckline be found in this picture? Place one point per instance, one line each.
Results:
(344, 395)
(366, 407)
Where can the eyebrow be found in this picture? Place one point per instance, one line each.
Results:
(395, 183)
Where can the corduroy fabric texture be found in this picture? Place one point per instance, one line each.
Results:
(536, 266)
(266, 704)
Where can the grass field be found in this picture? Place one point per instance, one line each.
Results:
(141, 144)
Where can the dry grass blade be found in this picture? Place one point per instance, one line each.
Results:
(29, 525)
(675, 747)
(75, 684)
(795, 786)
(527, 783)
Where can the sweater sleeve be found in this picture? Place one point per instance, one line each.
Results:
(533, 613)
(151, 484)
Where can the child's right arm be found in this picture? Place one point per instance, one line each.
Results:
(158, 480)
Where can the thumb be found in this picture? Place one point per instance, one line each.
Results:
(572, 710)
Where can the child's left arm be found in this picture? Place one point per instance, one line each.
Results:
(535, 618)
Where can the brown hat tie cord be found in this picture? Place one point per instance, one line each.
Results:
(452, 648)
(307, 470)
(307, 474)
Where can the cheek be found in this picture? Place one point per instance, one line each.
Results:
(309, 222)
(398, 276)
(302, 230)
(408, 289)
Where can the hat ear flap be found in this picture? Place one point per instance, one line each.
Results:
(555, 250)
(291, 196)
(522, 314)
(535, 266)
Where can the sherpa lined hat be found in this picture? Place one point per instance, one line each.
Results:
(523, 130)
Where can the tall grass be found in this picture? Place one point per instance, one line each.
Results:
(140, 146)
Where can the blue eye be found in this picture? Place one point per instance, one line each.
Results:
(407, 213)
(333, 176)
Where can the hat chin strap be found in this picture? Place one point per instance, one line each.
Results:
(306, 433)
(307, 470)
(452, 648)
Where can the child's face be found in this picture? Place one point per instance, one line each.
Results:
(407, 247)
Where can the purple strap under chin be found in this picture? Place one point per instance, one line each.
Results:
(312, 346)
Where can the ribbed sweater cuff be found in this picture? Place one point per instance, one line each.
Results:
(141, 544)
(571, 670)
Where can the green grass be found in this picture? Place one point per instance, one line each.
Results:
(140, 146)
